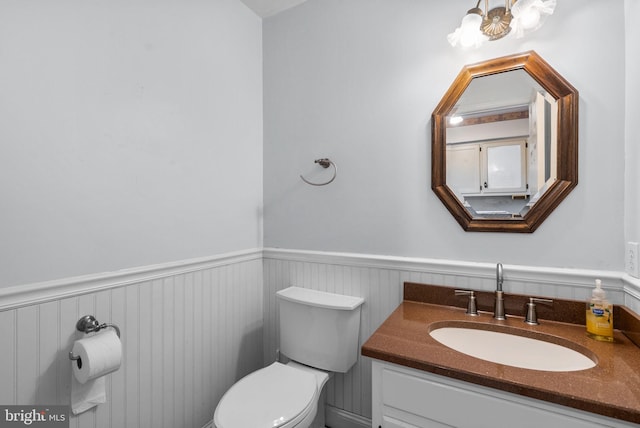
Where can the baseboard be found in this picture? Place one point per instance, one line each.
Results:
(338, 418)
(335, 418)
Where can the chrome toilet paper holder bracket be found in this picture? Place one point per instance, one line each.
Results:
(89, 324)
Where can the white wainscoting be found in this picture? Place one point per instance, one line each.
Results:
(631, 293)
(189, 331)
(379, 280)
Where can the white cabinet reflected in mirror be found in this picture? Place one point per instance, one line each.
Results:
(500, 141)
(504, 144)
(490, 178)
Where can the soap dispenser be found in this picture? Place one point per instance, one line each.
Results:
(599, 315)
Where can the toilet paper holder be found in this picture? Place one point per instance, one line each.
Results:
(89, 324)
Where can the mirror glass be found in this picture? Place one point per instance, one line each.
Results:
(501, 144)
(504, 144)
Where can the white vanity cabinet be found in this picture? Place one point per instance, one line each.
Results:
(409, 398)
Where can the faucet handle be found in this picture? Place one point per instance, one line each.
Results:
(471, 306)
(532, 316)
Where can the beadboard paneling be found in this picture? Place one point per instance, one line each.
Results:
(379, 280)
(192, 328)
(632, 293)
(189, 331)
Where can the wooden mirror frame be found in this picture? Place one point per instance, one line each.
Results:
(567, 144)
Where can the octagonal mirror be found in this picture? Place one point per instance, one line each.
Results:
(505, 144)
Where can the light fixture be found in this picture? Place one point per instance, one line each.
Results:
(521, 16)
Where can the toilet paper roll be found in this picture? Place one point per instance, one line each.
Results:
(99, 354)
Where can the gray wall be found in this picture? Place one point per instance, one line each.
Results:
(131, 188)
(122, 126)
(632, 113)
(357, 81)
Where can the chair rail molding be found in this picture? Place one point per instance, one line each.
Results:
(42, 292)
(518, 278)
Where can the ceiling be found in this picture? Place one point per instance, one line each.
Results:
(265, 8)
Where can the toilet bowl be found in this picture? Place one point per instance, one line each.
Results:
(319, 333)
(277, 396)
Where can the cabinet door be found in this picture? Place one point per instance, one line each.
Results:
(409, 398)
(463, 168)
(505, 169)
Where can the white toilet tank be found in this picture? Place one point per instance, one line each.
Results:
(319, 329)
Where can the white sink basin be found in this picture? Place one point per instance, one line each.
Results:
(512, 350)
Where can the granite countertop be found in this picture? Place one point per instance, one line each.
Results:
(611, 388)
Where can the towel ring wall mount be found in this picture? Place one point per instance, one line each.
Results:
(325, 163)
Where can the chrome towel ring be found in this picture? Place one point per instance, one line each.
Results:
(325, 163)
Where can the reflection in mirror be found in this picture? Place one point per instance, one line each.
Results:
(505, 144)
(501, 144)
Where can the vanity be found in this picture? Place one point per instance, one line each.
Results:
(419, 382)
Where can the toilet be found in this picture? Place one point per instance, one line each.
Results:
(319, 334)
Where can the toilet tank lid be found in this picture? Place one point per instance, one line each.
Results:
(320, 299)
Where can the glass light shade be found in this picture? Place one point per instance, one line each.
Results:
(454, 38)
(468, 34)
(471, 34)
(529, 15)
(530, 18)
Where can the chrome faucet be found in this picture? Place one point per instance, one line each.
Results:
(498, 312)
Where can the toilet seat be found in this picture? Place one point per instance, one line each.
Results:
(277, 396)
